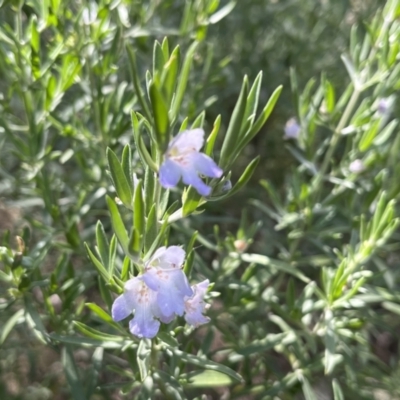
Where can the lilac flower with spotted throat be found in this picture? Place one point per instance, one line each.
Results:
(157, 295)
(141, 299)
(183, 160)
(164, 275)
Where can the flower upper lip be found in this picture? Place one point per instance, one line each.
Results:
(183, 160)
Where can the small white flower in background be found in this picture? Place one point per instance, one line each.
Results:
(384, 106)
(292, 129)
(356, 166)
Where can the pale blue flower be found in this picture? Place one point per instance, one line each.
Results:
(140, 298)
(183, 160)
(164, 275)
(159, 294)
(226, 186)
(195, 305)
(292, 129)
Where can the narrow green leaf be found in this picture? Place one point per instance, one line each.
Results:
(9, 325)
(387, 218)
(87, 342)
(95, 334)
(369, 135)
(99, 266)
(392, 307)
(252, 99)
(379, 210)
(386, 132)
(102, 244)
(260, 120)
(125, 270)
(337, 391)
(149, 188)
(182, 82)
(206, 378)
(168, 339)
(117, 223)
(307, 389)
(350, 69)
(35, 47)
(158, 58)
(205, 364)
(140, 145)
(161, 119)
(172, 209)
(330, 343)
(105, 292)
(143, 358)
(233, 133)
(139, 216)
(100, 312)
(34, 321)
(191, 200)
(184, 125)
(165, 48)
(163, 204)
(329, 95)
(126, 163)
(222, 12)
(188, 266)
(121, 184)
(151, 229)
(213, 136)
(136, 82)
(111, 255)
(72, 374)
(290, 294)
(50, 93)
(199, 121)
(94, 373)
(170, 72)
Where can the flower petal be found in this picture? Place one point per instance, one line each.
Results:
(172, 257)
(195, 306)
(171, 285)
(170, 302)
(181, 283)
(187, 141)
(155, 278)
(190, 177)
(170, 173)
(143, 324)
(205, 165)
(120, 308)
